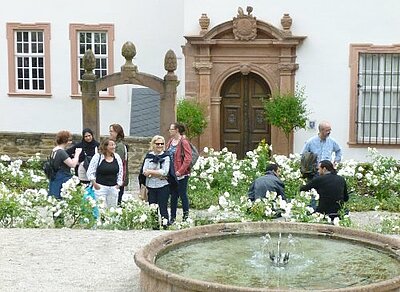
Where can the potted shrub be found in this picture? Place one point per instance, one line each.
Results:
(287, 111)
(191, 113)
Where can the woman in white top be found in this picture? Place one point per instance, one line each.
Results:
(105, 173)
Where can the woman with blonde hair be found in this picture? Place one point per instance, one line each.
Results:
(105, 173)
(154, 175)
(62, 163)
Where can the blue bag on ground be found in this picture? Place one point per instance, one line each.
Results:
(89, 193)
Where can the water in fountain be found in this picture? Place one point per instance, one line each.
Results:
(315, 262)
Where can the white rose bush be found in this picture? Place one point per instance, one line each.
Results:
(218, 187)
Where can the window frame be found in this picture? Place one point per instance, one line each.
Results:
(74, 30)
(355, 51)
(12, 28)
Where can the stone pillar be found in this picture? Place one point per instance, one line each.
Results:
(168, 97)
(204, 71)
(90, 96)
(215, 122)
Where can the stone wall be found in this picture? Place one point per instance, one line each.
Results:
(23, 145)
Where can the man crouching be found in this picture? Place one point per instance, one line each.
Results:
(268, 182)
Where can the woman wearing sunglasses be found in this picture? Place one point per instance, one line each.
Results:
(154, 175)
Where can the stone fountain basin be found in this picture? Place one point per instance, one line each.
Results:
(153, 279)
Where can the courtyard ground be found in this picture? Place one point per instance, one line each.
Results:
(81, 260)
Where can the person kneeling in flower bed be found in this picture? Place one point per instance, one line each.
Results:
(331, 187)
(268, 182)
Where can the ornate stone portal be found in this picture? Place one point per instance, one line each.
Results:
(247, 46)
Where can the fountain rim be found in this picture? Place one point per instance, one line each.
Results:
(146, 256)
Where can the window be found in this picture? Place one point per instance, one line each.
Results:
(375, 103)
(28, 58)
(98, 38)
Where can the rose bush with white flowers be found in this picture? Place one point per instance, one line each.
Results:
(219, 183)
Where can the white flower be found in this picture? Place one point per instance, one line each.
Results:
(143, 218)
(223, 202)
(164, 221)
(5, 158)
(212, 209)
(205, 150)
(336, 221)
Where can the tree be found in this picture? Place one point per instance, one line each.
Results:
(192, 115)
(287, 111)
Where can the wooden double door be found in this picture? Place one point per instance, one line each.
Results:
(243, 123)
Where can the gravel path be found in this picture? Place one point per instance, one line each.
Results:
(81, 260)
(70, 260)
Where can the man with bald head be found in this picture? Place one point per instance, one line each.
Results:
(323, 145)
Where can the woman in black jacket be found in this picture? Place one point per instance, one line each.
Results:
(89, 148)
(331, 187)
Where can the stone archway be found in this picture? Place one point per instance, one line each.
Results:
(91, 86)
(243, 45)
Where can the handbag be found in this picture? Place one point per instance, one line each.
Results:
(143, 193)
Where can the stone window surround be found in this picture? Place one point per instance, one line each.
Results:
(12, 88)
(355, 50)
(74, 29)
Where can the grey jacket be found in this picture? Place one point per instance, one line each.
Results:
(268, 182)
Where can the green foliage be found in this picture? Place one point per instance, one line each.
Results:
(287, 111)
(192, 115)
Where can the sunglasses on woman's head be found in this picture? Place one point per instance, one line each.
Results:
(158, 144)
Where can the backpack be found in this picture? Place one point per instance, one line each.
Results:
(48, 167)
(195, 154)
(308, 164)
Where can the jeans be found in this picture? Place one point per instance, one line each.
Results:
(55, 185)
(160, 197)
(180, 192)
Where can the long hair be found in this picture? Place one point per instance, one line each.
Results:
(120, 131)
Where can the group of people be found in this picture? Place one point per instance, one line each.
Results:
(165, 169)
(103, 165)
(330, 186)
(165, 173)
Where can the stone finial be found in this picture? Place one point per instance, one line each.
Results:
(89, 63)
(170, 63)
(286, 22)
(204, 22)
(128, 52)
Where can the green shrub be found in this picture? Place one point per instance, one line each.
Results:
(192, 115)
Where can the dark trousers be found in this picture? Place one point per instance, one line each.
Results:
(180, 192)
(160, 196)
(120, 194)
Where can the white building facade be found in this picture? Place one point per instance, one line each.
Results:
(349, 62)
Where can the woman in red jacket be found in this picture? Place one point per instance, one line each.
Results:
(181, 153)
